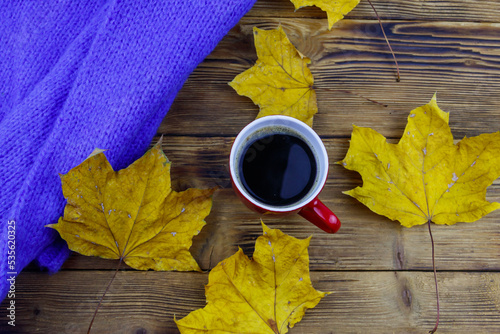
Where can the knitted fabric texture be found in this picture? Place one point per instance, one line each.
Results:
(79, 75)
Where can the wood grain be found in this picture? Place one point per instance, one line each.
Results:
(361, 302)
(355, 77)
(435, 10)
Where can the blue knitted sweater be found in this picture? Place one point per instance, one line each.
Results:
(76, 75)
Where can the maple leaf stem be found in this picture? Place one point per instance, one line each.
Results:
(398, 78)
(435, 279)
(102, 297)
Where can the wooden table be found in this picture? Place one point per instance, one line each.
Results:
(379, 272)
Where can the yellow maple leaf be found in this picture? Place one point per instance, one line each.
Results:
(132, 214)
(335, 9)
(263, 295)
(425, 177)
(280, 82)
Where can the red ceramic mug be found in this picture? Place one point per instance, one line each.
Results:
(252, 173)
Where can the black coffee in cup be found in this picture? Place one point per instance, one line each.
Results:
(278, 169)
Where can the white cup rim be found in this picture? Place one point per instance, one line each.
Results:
(306, 133)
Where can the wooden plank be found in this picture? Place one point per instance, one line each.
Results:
(366, 240)
(453, 10)
(361, 302)
(355, 77)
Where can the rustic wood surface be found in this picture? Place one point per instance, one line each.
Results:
(379, 272)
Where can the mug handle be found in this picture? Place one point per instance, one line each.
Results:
(319, 214)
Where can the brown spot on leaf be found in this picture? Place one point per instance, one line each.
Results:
(273, 325)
